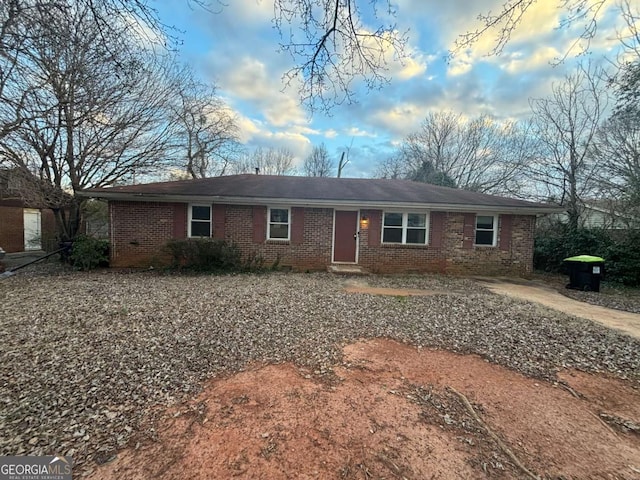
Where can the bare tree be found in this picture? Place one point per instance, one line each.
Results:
(566, 124)
(617, 145)
(318, 163)
(331, 47)
(268, 161)
(13, 36)
(503, 23)
(9, 47)
(478, 154)
(394, 167)
(617, 150)
(626, 82)
(99, 115)
(403, 166)
(207, 133)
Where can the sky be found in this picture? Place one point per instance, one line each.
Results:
(237, 47)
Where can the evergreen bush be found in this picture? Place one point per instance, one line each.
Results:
(88, 253)
(211, 255)
(620, 249)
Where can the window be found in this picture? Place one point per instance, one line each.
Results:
(486, 229)
(278, 224)
(406, 228)
(200, 220)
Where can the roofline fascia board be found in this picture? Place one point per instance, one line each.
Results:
(448, 207)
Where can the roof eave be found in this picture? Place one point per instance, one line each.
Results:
(319, 203)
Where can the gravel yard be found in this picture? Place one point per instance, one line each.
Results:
(86, 356)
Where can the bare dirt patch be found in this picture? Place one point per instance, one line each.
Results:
(391, 411)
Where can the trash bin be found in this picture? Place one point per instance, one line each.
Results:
(585, 272)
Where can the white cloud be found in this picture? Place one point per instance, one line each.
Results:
(401, 119)
(536, 41)
(250, 11)
(304, 130)
(331, 133)
(256, 133)
(412, 68)
(357, 132)
(517, 62)
(249, 80)
(460, 65)
(248, 129)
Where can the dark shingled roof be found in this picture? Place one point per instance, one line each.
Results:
(314, 189)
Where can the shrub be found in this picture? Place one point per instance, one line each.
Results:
(619, 249)
(208, 255)
(554, 244)
(623, 259)
(88, 253)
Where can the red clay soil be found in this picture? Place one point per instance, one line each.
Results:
(390, 413)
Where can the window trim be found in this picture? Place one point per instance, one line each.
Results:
(288, 224)
(494, 240)
(405, 227)
(190, 220)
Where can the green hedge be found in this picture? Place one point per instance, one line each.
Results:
(209, 255)
(88, 253)
(619, 248)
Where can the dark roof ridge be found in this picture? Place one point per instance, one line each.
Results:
(311, 190)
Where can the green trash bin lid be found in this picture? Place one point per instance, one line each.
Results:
(584, 259)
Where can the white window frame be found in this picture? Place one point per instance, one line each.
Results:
(191, 205)
(288, 224)
(405, 227)
(494, 240)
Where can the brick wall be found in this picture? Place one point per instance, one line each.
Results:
(11, 229)
(313, 253)
(452, 252)
(139, 230)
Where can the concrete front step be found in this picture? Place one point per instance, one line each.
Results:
(343, 269)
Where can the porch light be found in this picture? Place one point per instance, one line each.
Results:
(364, 222)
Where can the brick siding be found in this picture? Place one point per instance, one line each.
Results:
(313, 253)
(12, 228)
(140, 229)
(49, 230)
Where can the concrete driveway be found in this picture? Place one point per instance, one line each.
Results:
(625, 321)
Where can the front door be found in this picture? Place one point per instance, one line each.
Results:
(345, 238)
(32, 231)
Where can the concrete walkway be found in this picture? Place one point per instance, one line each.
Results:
(626, 322)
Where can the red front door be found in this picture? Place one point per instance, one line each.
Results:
(345, 238)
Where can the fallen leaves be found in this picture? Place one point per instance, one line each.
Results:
(86, 357)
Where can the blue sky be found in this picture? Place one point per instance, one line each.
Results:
(237, 49)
